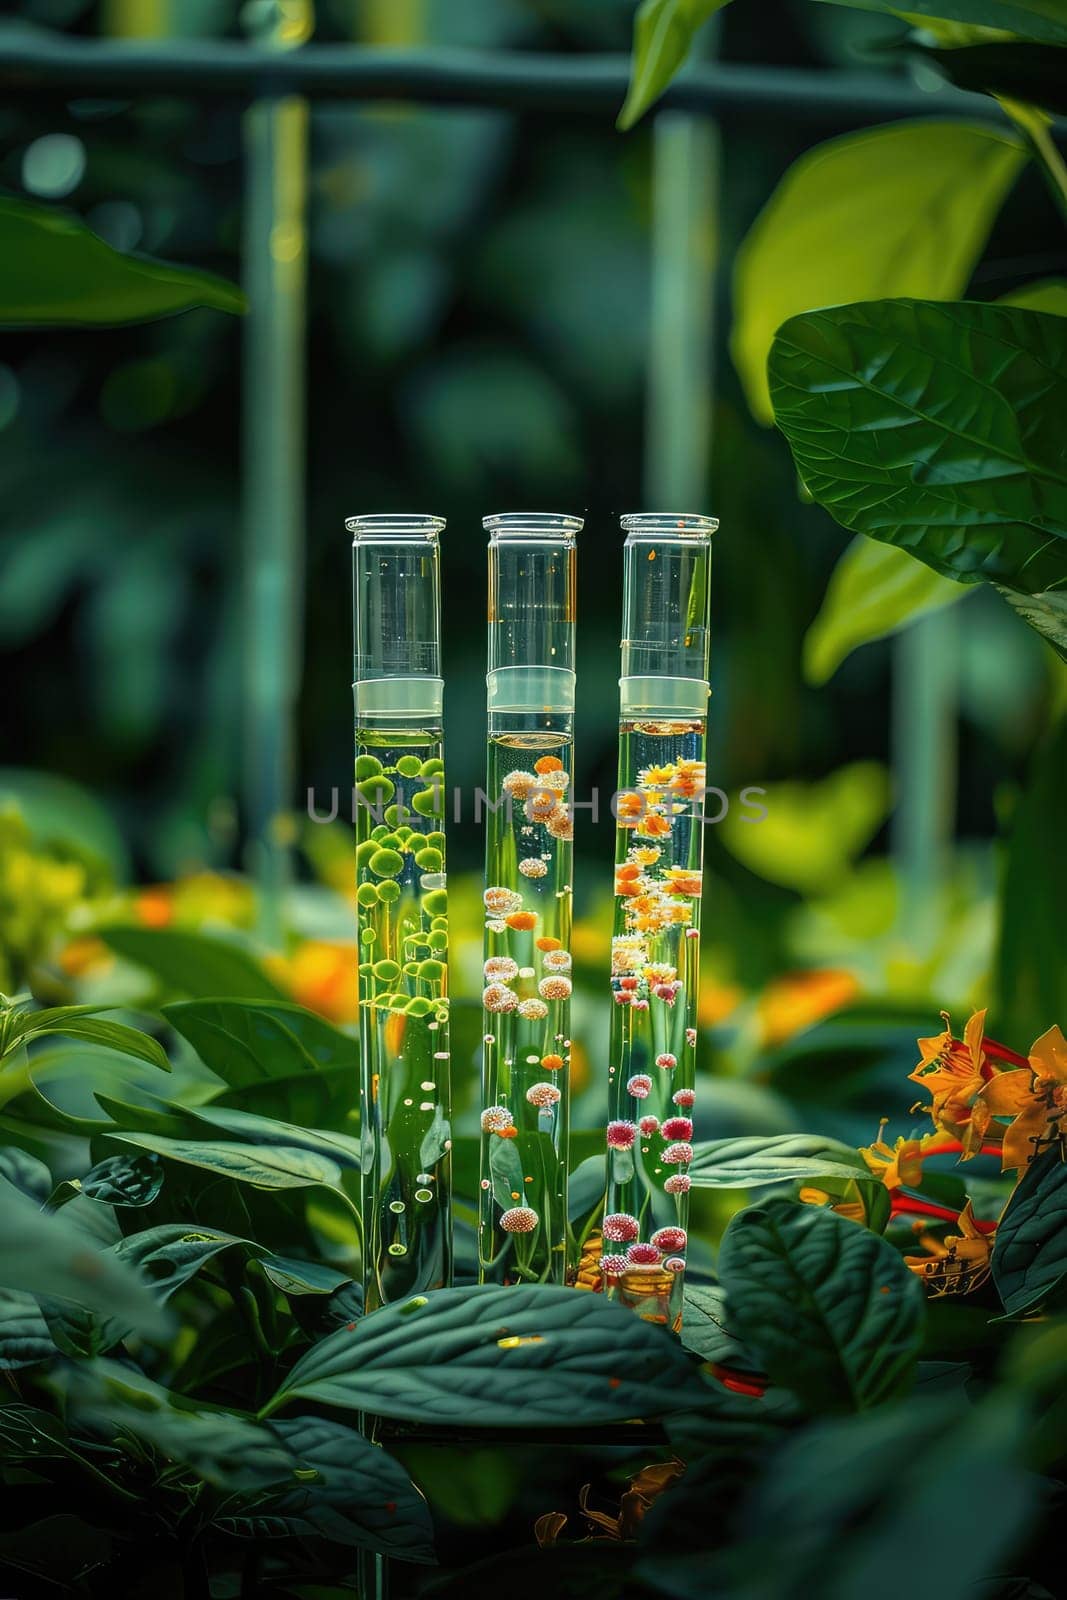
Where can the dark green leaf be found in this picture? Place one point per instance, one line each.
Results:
(664, 31)
(1030, 1253)
(349, 1492)
(505, 1171)
(831, 1308)
(1031, 974)
(124, 1180)
(934, 427)
(529, 1355)
(1042, 20)
(1045, 612)
(193, 963)
(705, 1328)
(295, 1277)
(24, 1336)
(53, 270)
(169, 1255)
(900, 210)
(30, 1176)
(46, 1255)
(247, 1041)
(222, 1448)
(748, 1162)
(1029, 72)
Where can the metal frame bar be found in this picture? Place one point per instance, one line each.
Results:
(516, 81)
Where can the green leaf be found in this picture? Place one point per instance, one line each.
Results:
(97, 1030)
(24, 1336)
(812, 831)
(664, 31)
(874, 591)
(193, 963)
(527, 1355)
(900, 210)
(30, 1176)
(297, 1277)
(169, 1255)
(349, 1492)
(248, 1041)
(1045, 612)
(1031, 73)
(124, 1180)
(1043, 20)
(505, 1171)
(262, 1166)
(704, 1326)
(45, 1254)
(1031, 975)
(1030, 1252)
(831, 1307)
(934, 427)
(53, 271)
(747, 1162)
(1045, 294)
(223, 1449)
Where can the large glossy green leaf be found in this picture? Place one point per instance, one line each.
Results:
(747, 1162)
(526, 1356)
(124, 1180)
(900, 210)
(705, 1328)
(247, 1041)
(1043, 20)
(664, 31)
(82, 1022)
(874, 591)
(350, 1492)
(45, 1254)
(53, 270)
(1030, 970)
(1030, 1253)
(934, 427)
(194, 964)
(831, 1308)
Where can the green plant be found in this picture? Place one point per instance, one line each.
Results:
(922, 421)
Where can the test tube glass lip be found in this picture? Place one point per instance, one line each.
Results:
(532, 524)
(395, 525)
(668, 524)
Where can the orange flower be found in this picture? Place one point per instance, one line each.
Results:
(627, 887)
(548, 764)
(653, 826)
(1034, 1096)
(952, 1070)
(552, 1063)
(957, 1263)
(322, 976)
(901, 1164)
(155, 907)
(507, 1133)
(681, 881)
(799, 999)
(522, 921)
(628, 870)
(547, 943)
(628, 808)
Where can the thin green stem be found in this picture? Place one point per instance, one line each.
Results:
(1035, 127)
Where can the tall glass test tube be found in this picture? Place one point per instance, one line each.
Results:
(528, 864)
(655, 956)
(402, 907)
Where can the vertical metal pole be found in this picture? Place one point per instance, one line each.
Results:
(678, 422)
(924, 738)
(276, 137)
